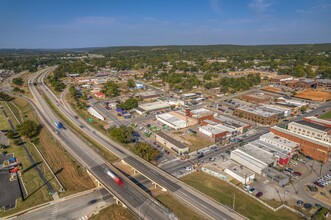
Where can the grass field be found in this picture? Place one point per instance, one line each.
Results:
(73, 177)
(3, 120)
(115, 212)
(326, 115)
(224, 193)
(181, 211)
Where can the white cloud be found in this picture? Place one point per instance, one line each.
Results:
(260, 6)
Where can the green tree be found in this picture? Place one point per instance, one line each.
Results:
(5, 97)
(18, 81)
(131, 83)
(146, 151)
(128, 104)
(122, 134)
(72, 91)
(110, 89)
(29, 129)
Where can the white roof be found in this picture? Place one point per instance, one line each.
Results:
(154, 106)
(212, 129)
(259, 111)
(259, 154)
(172, 119)
(279, 140)
(252, 160)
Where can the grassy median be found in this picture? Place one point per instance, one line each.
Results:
(114, 212)
(224, 193)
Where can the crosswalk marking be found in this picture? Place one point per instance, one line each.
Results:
(168, 161)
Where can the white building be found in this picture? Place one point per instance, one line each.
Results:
(238, 172)
(172, 121)
(289, 146)
(94, 112)
(152, 106)
(312, 130)
(286, 112)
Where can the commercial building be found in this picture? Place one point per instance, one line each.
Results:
(291, 102)
(277, 80)
(215, 171)
(312, 130)
(190, 96)
(200, 114)
(215, 133)
(176, 102)
(239, 126)
(324, 84)
(152, 106)
(315, 120)
(257, 98)
(244, 157)
(238, 172)
(176, 120)
(258, 114)
(285, 112)
(281, 178)
(316, 149)
(171, 143)
(147, 96)
(290, 147)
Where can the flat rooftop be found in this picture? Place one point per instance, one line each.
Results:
(237, 168)
(171, 140)
(257, 95)
(201, 112)
(275, 151)
(154, 105)
(214, 129)
(146, 94)
(247, 157)
(279, 140)
(171, 119)
(318, 120)
(312, 125)
(230, 121)
(260, 154)
(259, 111)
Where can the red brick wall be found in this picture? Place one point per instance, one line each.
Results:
(308, 148)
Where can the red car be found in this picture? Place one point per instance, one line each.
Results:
(259, 194)
(297, 173)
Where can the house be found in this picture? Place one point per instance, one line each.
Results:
(99, 95)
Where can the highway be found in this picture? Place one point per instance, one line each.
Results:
(196, 200)
(131, 195)
(80, 206)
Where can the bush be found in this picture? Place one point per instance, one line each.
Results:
(146, 151)
(122, 134)
(29, 129)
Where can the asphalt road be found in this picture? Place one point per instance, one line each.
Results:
(72, 208)
(133, 197)
(195, 199)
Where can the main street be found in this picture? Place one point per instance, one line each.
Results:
(195, 199)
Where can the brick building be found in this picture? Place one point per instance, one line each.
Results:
(258, 115)
(316, 149)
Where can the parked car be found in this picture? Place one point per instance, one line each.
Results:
(259, 194)
(4, 153)
(307, 206)
(247, 187)
(188, 168)
(251, 190)
(300, 202)
(297, 173)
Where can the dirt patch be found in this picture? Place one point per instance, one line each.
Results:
(315, 95)
(272, 89)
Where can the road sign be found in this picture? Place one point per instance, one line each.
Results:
(90, 120)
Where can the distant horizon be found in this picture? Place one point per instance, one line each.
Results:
(83, 24)
(173, 45)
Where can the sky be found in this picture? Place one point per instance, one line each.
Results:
(101, 23)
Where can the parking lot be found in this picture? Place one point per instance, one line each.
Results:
(9, 190)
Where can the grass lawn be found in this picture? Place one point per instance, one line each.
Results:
(181, 211)
(115, 212)
(73, 177)
(3, 120)
(224, 193)
(326, 115)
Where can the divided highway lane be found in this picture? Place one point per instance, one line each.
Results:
(71, 208)
(198, 201)
(132, 196)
